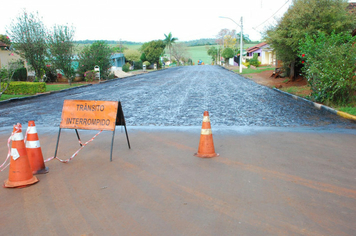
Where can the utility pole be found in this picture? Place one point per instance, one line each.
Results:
(241, 47)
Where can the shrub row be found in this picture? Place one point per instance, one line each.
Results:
(25, 88)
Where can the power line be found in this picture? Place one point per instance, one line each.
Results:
(272, 15)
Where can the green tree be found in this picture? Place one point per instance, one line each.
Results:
(322, 54)
(143, 57)
(169, 41)
(227, 54)
(213, 52)
(62, 49)
(132, 55)
(119, 48)
(245, 38)
(153, 50)
(29, 37)
(307, 17)
(98, 54)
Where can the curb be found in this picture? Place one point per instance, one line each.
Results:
(319, 106)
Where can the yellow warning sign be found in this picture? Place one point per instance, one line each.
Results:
(92, 115)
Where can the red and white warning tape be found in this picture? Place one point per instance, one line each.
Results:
(76, 153)
(18, 127)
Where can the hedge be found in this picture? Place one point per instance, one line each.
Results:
(28, 88)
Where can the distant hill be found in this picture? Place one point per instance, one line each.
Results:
(200, 42)
(197, 42)
(87, 41)
(191, 43)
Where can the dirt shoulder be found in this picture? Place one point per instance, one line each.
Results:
(265, 78)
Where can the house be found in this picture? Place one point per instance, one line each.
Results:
(117, 61)
(265, 53)
(7, 56)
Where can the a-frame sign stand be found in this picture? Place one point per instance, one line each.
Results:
(92, 115)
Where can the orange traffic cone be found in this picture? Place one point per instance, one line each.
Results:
(206, 144)
(34, 151)
(20, 173)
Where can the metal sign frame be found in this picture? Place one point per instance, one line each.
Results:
(119, 120)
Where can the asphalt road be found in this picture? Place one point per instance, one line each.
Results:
(285, 168)
(178, 97)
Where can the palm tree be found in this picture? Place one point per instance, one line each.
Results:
(169, 40)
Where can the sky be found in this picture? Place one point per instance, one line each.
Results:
(143, 21)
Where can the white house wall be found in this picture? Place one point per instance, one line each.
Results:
(6, 57)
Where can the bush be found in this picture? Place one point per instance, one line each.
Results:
(247, 64)
(89, 75)
(26, 88)
(126, 67)
(112, 76)
(254, 61)
(330, 65)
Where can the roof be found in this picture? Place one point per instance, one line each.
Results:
(256, 47)
(3, 44)
(117, 55)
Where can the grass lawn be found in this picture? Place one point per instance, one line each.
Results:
(350, 110)
(7, 96)
(56, 87)
(49, 88)
(199, 53)
(252, 71)
(302, 91)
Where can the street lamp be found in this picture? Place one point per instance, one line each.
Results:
(241, 49)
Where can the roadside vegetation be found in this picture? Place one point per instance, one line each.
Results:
(303, 91)
(314, 38)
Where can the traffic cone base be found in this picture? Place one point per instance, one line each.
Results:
(206, 155)
(42, 171)
(206, 143)
(34, 150)
(20, 184)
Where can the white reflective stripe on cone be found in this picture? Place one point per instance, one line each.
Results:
(32, 130)
(17, 136)
(206, 119)
(206, 131)
(33, 144)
